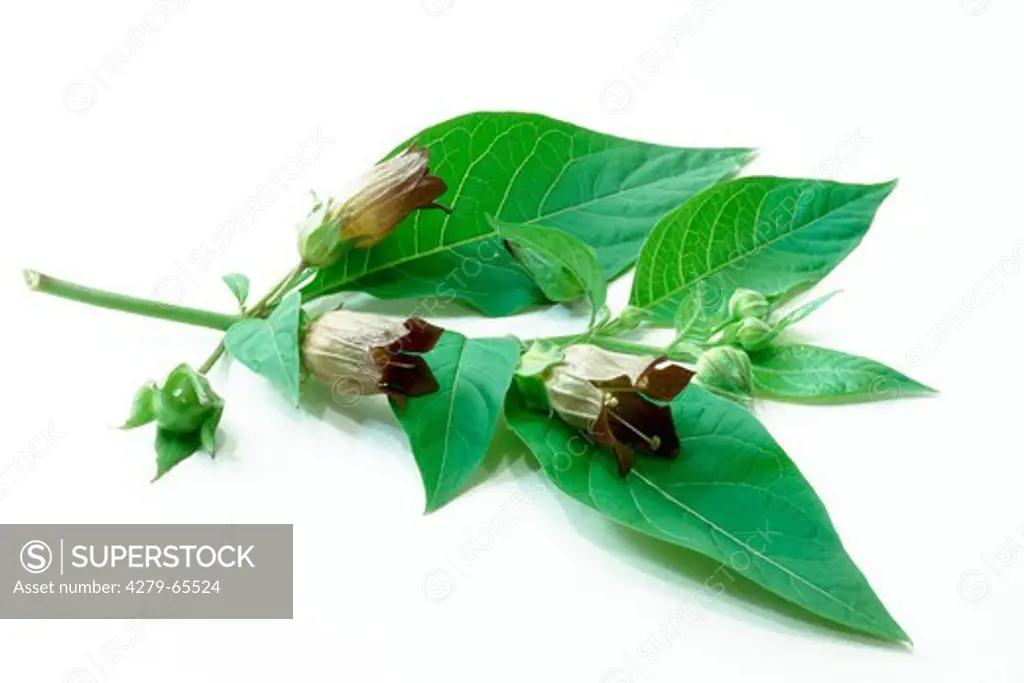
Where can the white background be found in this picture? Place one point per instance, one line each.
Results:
(119, 171)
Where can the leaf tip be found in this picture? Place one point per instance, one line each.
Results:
(748, 155)
(888, 186)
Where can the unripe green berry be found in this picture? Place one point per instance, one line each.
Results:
(185, 401)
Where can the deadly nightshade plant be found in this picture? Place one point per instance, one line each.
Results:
(506, 211)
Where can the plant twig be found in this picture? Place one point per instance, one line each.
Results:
(258, 310)
(129, 304)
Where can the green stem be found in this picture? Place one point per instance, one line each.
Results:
(257, 310)
(277, 291)
(212, 360)
(624, 346)
(119, 302)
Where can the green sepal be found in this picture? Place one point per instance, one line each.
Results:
(533, 369)
(172, 448)
(143, 407)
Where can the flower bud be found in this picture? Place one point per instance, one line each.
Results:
(385, 195)
(359, 354)
(746, 303)
(618, 399)
(753, 333)
(726, 368)
(632, 317)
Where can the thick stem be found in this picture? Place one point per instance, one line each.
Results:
(129, 304)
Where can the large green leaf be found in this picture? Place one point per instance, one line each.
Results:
(525, 168)
(271, 347)
(564, 267)
(451, 429)
(732, 494)
(801, 372)
(765, 234)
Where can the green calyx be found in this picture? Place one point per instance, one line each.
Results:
(187, 412)
(534, 367)
(726, 370)
(747, 303)
(186, 401)
(320, 242)
(753, 333)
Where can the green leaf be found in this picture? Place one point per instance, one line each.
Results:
(765, 234)
(451, 429)
(172, 448)
(732, 494)
(239, 286)
(701, 308)
(143, 407)
(801, 312)
(271, 347)
(575, 263)
(805, 373)
(524, 168)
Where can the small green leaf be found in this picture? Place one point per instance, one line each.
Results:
(208, 431)
(765, 234)
(801, 312)
(567, 268)
(732, 494)
(172, 448)
(271, 347)
(143, 407)
(806, 373)
(239, 286)
(451, 429)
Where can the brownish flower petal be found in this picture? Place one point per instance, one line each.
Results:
(666, 382)
(652, 420)
(603, 434)
(407, 375)
(422, 337)
(395, 188)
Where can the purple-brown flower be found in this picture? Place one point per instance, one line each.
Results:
(619, 399)
(389, 192)
(378, 202)
(358, 354)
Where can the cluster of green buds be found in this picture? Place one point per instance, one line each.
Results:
(750, 325)
(619, 400)
(186, 411)
(364, 216)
